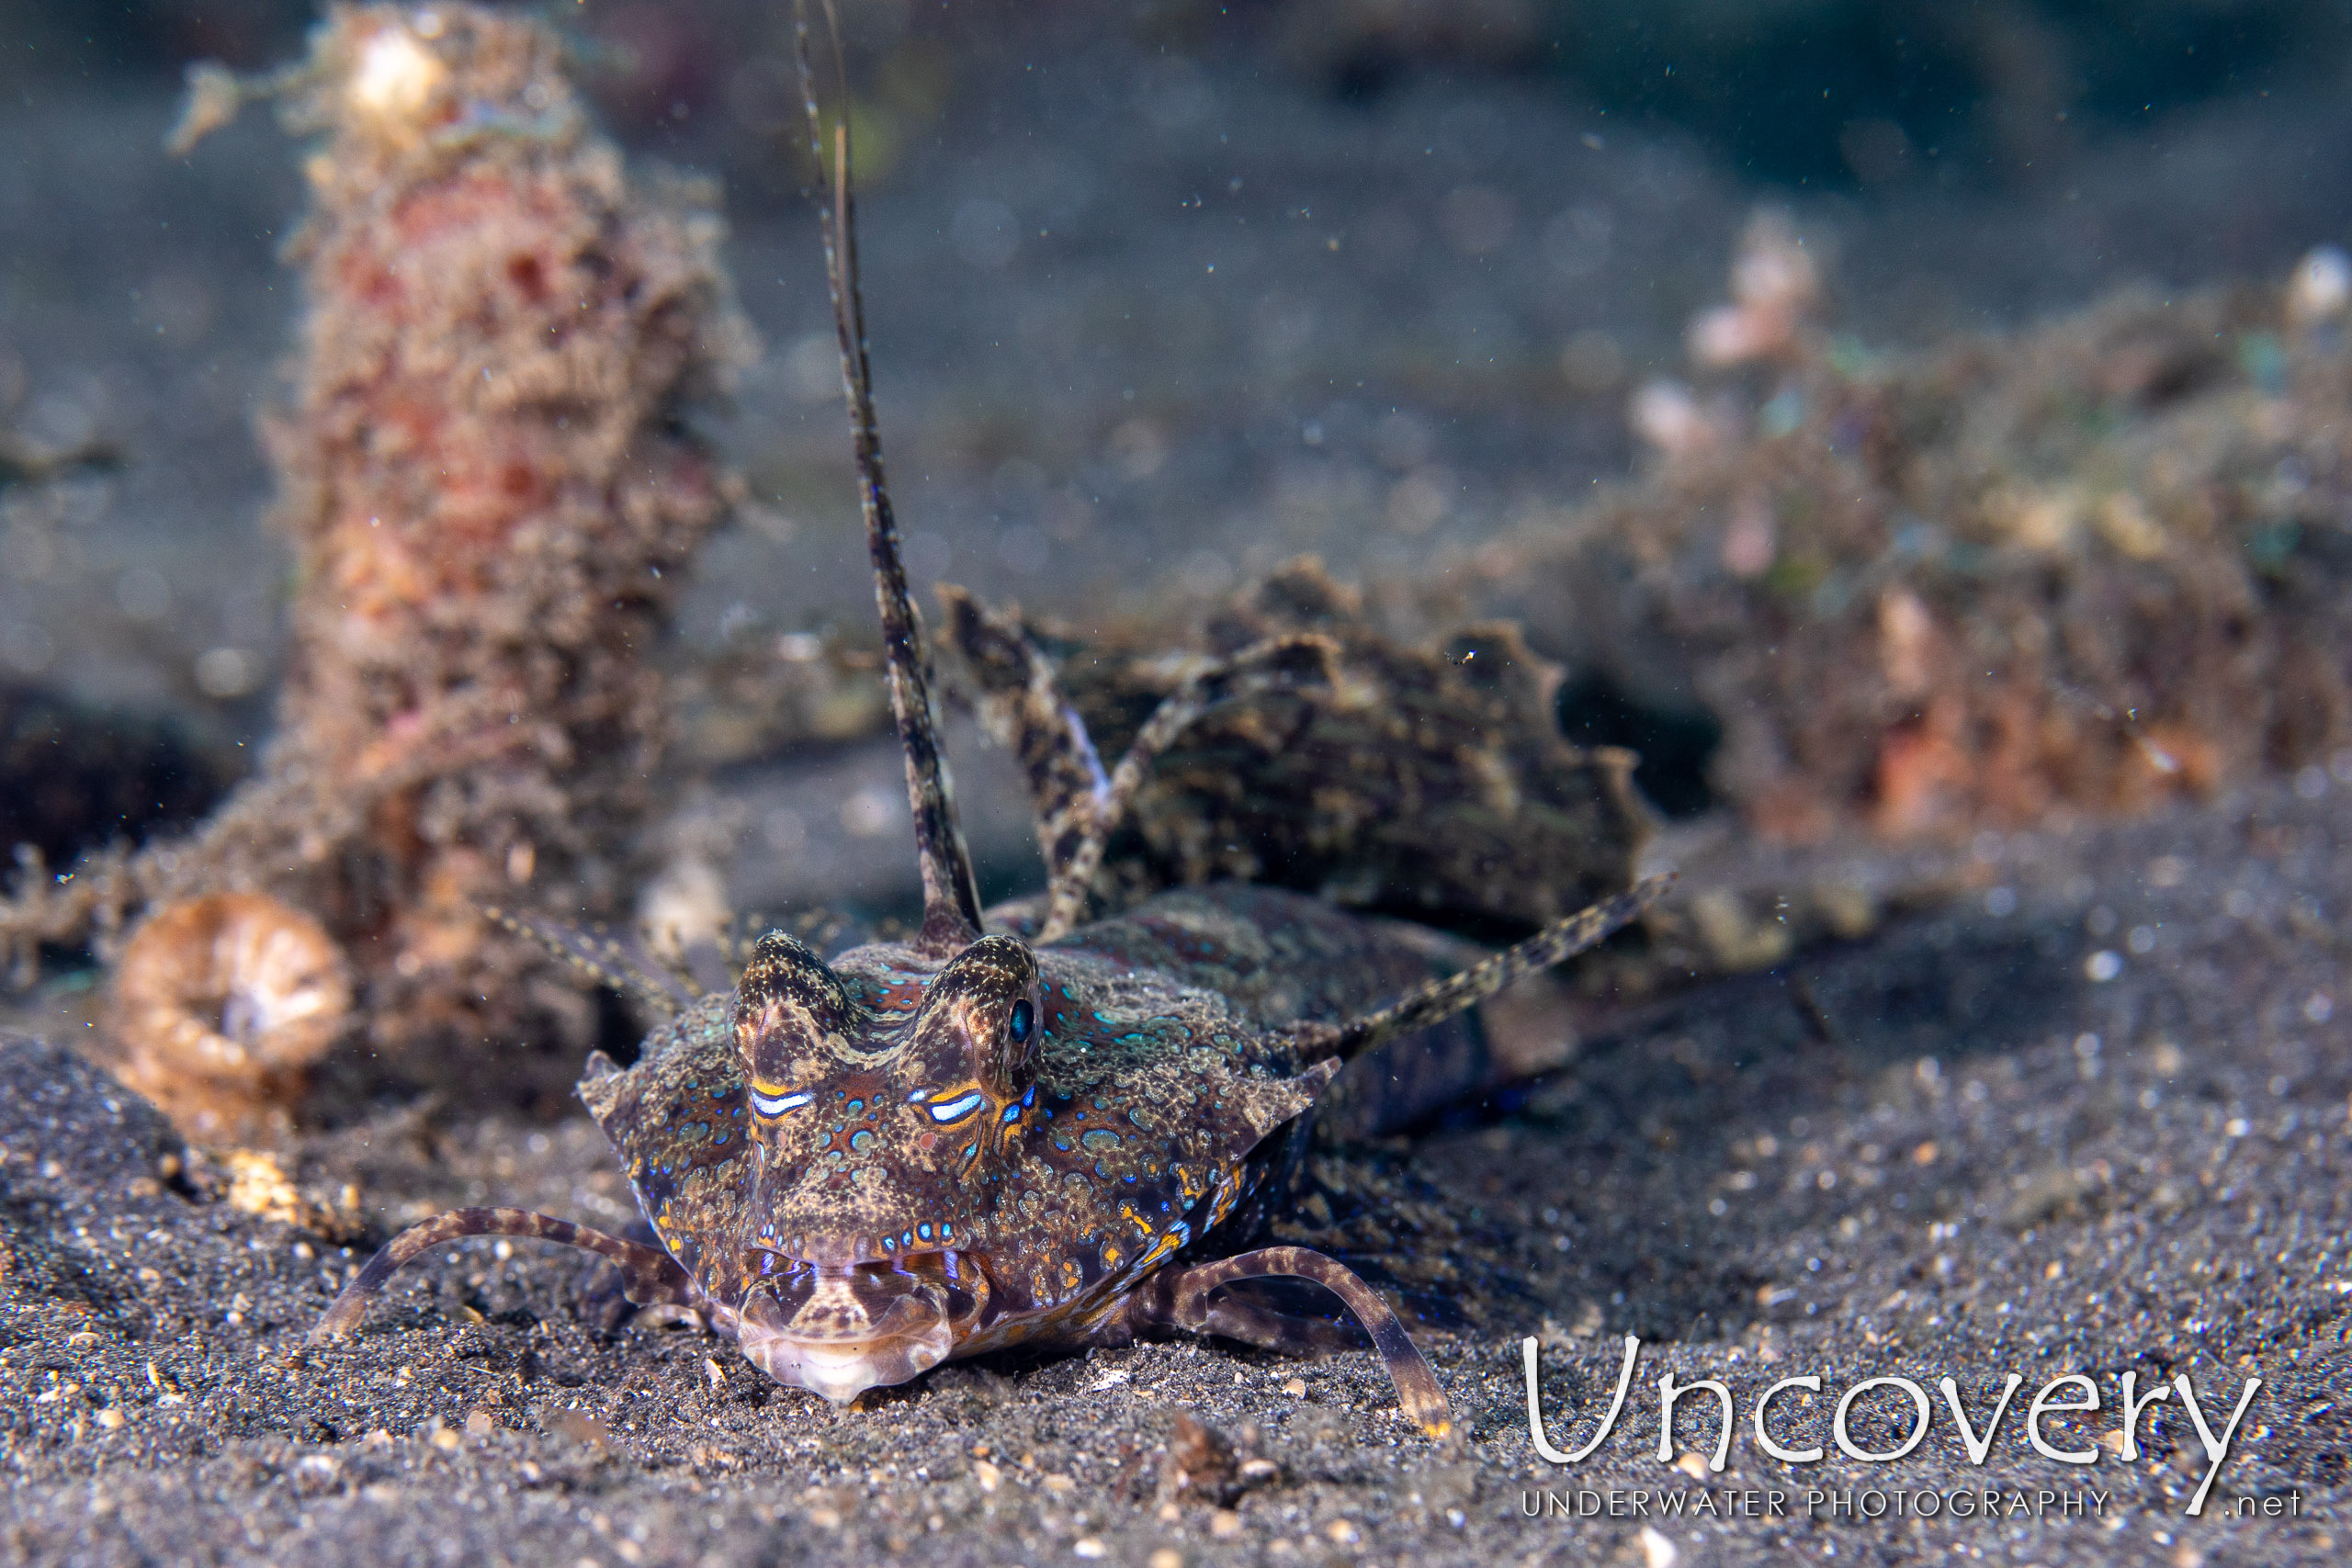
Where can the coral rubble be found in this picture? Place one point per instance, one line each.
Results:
(490, 485)
(74, 774)
(2079, 570)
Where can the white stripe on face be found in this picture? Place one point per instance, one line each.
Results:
(955, 1109)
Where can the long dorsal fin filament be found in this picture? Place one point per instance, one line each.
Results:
(951, 896)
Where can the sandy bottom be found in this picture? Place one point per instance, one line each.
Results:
(1951, 1150)
(2088, 1116)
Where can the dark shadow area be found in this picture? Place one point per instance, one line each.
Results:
(74, 776)
(620, 1032)
(1676, 744)
(1818, 93)
(1839, 93)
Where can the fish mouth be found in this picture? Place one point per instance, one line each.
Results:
(839, 1329)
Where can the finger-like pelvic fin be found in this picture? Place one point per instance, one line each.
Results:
(1179, 1298)
(951, 896)
(1441, 999)
(650, 1276)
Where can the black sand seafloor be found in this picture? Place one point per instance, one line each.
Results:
(1946, 1151)
(1162, 297)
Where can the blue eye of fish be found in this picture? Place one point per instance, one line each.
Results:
(777, 1104)
(955, 1110)
(1023, 1019)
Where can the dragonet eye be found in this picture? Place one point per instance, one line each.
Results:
(955, 1110)
(1023, 1019)
(777, 1104)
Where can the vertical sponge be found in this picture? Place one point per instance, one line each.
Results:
(490, 487)
(489, 482)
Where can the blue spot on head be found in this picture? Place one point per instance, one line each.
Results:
(855, 1106)
(1013, 1113)
(907, 1239)
(924, 1230)
(946, 1231)
(862, 1139)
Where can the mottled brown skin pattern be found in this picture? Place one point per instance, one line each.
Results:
(1155, 1115)
(862, 1167)
(1078, 1187)
(1160, 1068)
